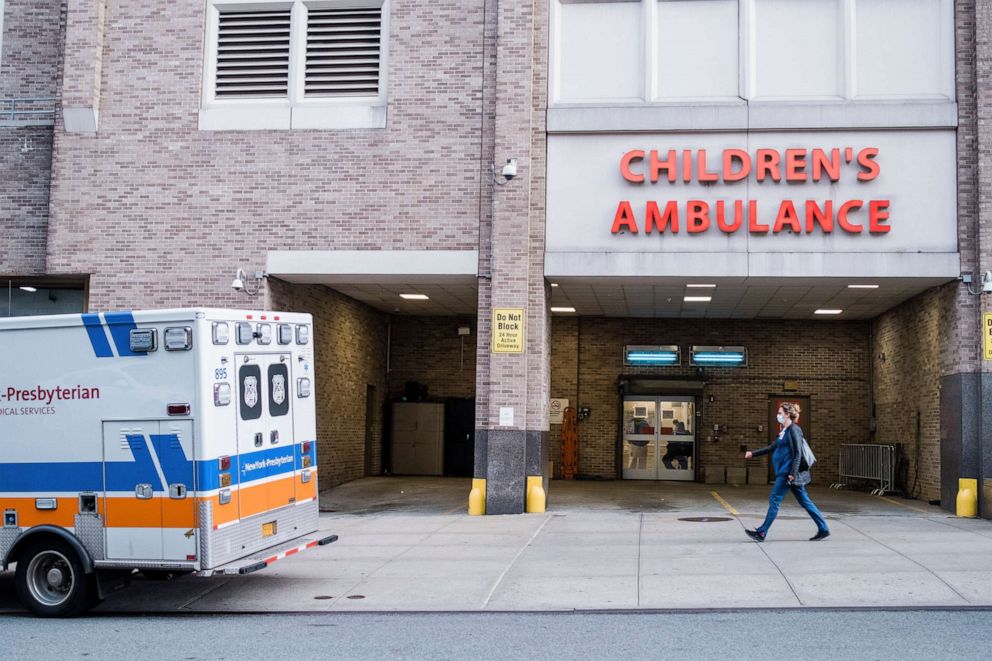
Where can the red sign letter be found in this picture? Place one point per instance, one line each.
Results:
(624, 218)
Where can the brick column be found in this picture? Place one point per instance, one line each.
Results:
(83, 67)
(965, 384)
(512, 276)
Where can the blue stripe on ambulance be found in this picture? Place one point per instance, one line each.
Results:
(121, 324)
(124, 475)
(98, 338)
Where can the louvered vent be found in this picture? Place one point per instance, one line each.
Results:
(253, 54)
(343, 52)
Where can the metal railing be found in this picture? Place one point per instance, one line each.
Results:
(872, 463)
(27, 110)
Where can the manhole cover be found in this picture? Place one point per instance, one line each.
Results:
(705, 519)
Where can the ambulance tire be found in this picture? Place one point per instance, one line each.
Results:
(51, 581)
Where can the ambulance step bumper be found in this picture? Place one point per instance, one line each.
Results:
(266, 557)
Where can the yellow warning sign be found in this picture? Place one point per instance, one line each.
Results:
(508, 330)
(987, 335)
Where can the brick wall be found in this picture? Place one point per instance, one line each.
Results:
(25, 161)
(218, 200)
(29, 61)
(829, 360)
(349, 354)
(429, 350)
(907, 367)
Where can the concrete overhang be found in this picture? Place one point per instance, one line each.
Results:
(745, 285)
(378, 277)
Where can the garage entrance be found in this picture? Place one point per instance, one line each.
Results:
(659, 438)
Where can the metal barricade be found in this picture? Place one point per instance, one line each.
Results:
(873, 463)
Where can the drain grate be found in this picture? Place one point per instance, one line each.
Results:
(705, 519)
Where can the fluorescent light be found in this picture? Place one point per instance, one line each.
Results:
(415, 297)
(554, 284)
(700, 286)
(721, 356)
(29, 289)
(862, 286)
(697, 299)
(554, 309)
(824, 311)
(652, 355)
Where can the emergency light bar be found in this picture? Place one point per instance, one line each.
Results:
(652, 355)
(712, 356)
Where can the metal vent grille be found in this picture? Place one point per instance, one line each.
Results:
(253, 54)
(343, 52)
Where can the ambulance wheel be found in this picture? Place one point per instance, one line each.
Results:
(50, 579)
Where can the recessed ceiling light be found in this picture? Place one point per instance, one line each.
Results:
(697, 299)
(28, 289)
(862, 286)
(825, 311)
(554, 309)
(699, 286)
(554, 284)
(415, 297)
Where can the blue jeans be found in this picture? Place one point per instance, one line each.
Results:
(775, 501)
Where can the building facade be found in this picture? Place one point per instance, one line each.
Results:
(714, 206)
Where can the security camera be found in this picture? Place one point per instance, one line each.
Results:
(510, 169)
(987, 282)
(238, 284)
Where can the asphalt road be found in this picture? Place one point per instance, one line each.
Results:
(807, 634)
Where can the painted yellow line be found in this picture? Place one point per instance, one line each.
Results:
(915, 509)
(726, 505)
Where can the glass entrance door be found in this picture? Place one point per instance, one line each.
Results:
(659, 438)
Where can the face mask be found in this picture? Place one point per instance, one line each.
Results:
(780, 418)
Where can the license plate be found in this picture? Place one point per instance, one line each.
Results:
(268, 529)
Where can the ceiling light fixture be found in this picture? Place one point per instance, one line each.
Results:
(862, 286)
(563, 309)
(697, 299)
(826, 311)
(554, 284)
(28, 289)
(700, 286)
(415, 297)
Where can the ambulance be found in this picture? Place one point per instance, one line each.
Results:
(168, 442)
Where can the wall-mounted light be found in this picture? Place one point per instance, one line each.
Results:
(652, 355)
(714, 356)
(30, 290)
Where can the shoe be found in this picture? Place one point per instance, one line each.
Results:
(822, 534)
(755, 535)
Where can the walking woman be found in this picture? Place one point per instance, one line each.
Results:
(791, 474)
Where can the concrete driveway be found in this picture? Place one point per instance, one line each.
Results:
(406, 545)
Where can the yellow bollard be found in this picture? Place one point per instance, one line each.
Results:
(477, 498)
(967, 502)
(536, 498)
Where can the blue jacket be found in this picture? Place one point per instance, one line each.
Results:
(786, 455)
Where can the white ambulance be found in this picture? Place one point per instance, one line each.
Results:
(170, 441)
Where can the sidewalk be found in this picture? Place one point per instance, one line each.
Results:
(882, 553)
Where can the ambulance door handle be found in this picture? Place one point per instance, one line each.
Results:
(143, 491)
(274, 436)
(258, 439)
(177, 491)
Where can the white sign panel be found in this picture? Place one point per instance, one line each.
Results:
(556, 411)
(506, 416)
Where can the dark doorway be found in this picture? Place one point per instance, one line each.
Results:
(775, 401)
(459, 437)
(370, 431)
